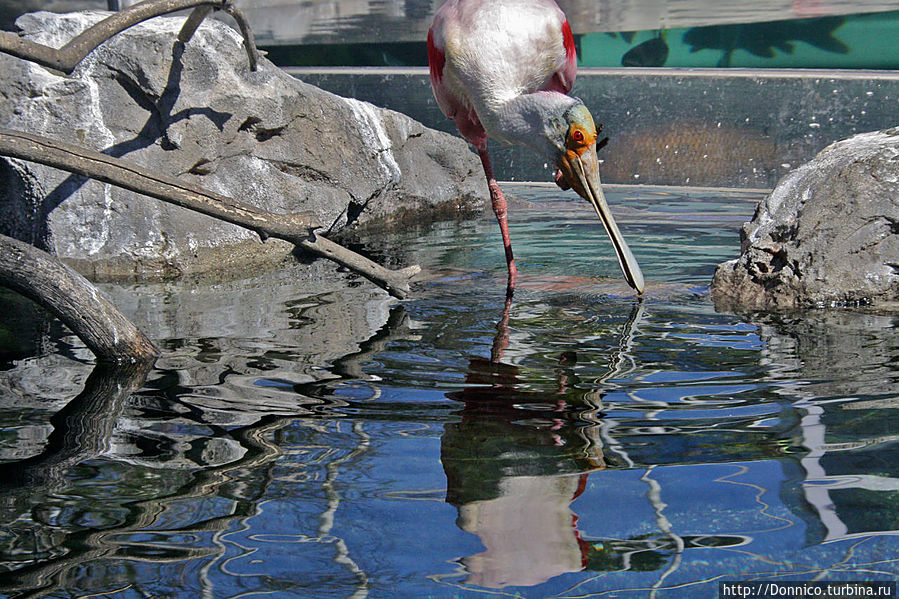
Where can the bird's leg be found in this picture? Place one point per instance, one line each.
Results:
(499, 209)
(501, 339)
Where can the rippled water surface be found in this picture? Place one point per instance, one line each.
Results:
(297, 442)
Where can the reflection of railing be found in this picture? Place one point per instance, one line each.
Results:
(839, 357)
(342, 552)
(621, 357)
(818, 484)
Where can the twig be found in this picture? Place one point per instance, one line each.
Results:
(249, 40)
(71, 298)
(89, 163)
(295, 228)
(395, 282)
(193, 22)
(65, 59)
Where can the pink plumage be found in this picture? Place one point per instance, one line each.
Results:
(478, 38)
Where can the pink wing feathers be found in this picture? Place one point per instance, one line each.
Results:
(436, 60)
(563, 80)
(457, 109)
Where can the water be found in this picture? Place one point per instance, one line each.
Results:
(296, 442)
(649, 33)
(292, 22)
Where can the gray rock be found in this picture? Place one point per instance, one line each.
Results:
(10, 10)
(196, 111)
(826, 236)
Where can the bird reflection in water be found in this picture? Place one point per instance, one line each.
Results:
(517, 459)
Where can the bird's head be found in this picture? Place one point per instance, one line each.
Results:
(561, 129)
(575, 141)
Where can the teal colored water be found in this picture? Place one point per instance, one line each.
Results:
(576, 442)
(869, 41)
(859, 41)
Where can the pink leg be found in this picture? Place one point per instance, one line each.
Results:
(499, 208)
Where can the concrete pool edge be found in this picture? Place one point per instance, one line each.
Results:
(705, 127)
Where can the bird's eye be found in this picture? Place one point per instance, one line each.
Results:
(577, 136)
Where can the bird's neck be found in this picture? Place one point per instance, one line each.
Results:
(532, 120)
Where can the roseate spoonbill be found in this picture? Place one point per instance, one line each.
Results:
(503, 69)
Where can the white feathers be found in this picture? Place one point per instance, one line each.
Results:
(496, 51)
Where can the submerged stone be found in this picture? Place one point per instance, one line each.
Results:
(828, 235)
(197, 112)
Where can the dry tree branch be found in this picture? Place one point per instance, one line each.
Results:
(293, 228)
(201, 12)
(249, 39)
(89, 163)
(71, 298)
(193, 22)
(65, 59)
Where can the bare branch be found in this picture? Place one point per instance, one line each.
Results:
(71, 298)
(89, 163)
(65, 59)
(249, 40)
(295, 228)
(395, 282)
(193, 22)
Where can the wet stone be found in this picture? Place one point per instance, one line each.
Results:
(826, 235)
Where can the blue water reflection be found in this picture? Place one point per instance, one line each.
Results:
(574, 442)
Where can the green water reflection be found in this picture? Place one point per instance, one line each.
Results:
(297, 442)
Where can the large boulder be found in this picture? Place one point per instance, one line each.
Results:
(196, 111)
(828, 235)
